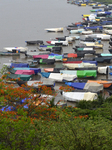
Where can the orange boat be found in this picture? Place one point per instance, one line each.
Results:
(106, 84)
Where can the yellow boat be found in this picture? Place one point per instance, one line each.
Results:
(97, 19)
(92, 4)
(87, 15)
(94, 44)
(83, 4)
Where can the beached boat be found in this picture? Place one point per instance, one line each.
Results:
(36, 42)
(57, 43)
(20, 49)
(78, 96)
(92, 44)
(58, 77)
(102, 36)
(108, 26)
(87, 32)
(79, 64)
(96, 10)
(81, 73)
(91, 87)
(9, 54)
(76, 31)
(20, 76)
(54, 29)
(108, 31)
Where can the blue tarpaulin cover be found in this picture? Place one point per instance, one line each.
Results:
(19, 65)
(76, 85)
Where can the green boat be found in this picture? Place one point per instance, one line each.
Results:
(86, 73)
(22, 77)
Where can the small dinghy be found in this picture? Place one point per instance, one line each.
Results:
(54, 29)
(20, 49)
(37, 42)
(108, 31)
(46, 61)
(103, 70)
(102, 36)
(58, 77)
(91, 87)
(87, 32)
(78, 96)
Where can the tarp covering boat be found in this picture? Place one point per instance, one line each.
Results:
(94, 28)
(25, 72)
(36, 70)
(103, 70)
(81, 73)
(22, 77)
(58, 76)
(78, 96)
(46, 61)
(106, 84)
(53, 70)
(78, 65)
(79, 61)
(41, 56)
(93, 87)
(15, 65)
(36, 83)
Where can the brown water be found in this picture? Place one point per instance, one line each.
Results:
(23, 20)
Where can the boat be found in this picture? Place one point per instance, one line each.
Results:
(53, 70)
(9, 54)
(102, 36)
(25, 72)
(36, 83)
(20, 49)
(106, 84)
(96, 10)
(92, 44)
(19, 76)
(77, 31)
(78, 96)
(46, 61)
(54, 29)
(94, 28)
(91, 87)
(58, 77)
(108, 26)
(36, 42)
(36, 70)
(87, 32)
(57, 43)
(103, 70)
(79, 64)
(81, 73)
(108, 31)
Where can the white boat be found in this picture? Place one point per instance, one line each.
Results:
(77, 31)
(102, 36)
(102, 70)
(107, 26)
(20, 49)
(64, 43)
(54, 29)
(76, 65)
(108, 31)
(87, 32)
(78, 96)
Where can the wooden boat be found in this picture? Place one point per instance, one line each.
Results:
(78, 96)
(37, 42)
(20, 49)
(92, 44)
(54, 29)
